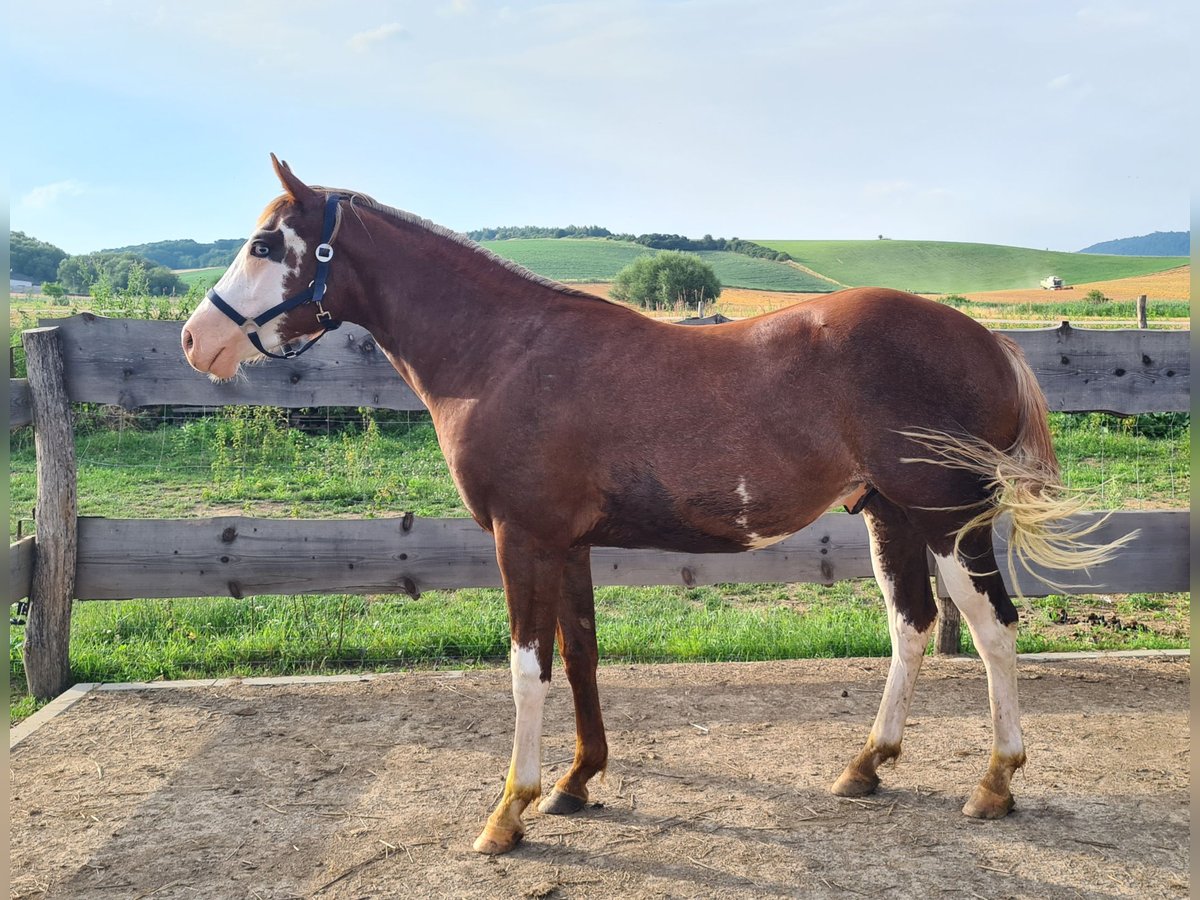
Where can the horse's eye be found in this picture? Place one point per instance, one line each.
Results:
(258, 248)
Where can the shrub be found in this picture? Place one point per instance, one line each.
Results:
(666, 279)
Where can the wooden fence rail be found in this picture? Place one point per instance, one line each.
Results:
(238, 556)
(135, 363)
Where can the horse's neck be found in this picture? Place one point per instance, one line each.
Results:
(448, 317)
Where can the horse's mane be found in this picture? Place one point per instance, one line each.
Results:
(357, 198)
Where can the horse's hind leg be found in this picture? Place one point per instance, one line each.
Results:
(577, 644)
(898, 558)
(992, 618)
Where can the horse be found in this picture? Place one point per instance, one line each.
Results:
(569, 421)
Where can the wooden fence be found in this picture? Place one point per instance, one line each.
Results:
(134, 363)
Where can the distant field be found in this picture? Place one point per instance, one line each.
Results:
(570, 259)
(736, 270)
(941, 267)
(204, 278)
(593, 260)
(1174, 284)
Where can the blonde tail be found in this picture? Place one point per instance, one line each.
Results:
(1023, 481)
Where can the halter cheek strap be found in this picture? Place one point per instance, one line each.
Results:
(314, 293)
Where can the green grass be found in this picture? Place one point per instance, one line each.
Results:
(570, 259)
(741, 271)
(247, 460)
(1072, 310)
(202, 278)
(942, 266)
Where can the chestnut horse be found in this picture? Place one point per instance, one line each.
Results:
(569, 422)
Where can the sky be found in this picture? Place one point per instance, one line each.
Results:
(1037, 124)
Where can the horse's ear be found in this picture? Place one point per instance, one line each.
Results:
(293, 186)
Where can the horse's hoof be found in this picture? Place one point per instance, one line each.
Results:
(560, 803)
(987, 804)
(855, 783)
(494, 841)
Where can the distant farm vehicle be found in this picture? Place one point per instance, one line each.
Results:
(1054, 283)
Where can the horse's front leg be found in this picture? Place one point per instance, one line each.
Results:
(577, 644)
(533, 585)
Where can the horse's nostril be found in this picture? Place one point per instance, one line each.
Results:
(187, 340)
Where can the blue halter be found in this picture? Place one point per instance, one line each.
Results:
(314, 293)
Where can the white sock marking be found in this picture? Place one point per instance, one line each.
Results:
(908, 652)
(997, 645)
(529, 696)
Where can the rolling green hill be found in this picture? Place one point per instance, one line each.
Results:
(739, 270)
(203, 278)
(941, 266)
(570, 259)
(921, 266)
(590, 259)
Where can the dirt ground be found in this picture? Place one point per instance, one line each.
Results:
(717, 787)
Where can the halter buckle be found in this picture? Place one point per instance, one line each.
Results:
(324, 252)
(324, 316)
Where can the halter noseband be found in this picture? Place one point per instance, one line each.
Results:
(314, 293)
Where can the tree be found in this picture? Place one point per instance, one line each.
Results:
(32, 258)
(665, 279)
(79, 273)
(55, 291)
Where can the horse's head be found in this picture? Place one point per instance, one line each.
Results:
(272, 293)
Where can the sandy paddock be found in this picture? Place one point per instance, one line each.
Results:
(717, 787)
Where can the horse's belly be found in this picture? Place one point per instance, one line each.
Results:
(647, 514)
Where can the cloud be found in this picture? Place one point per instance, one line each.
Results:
(1061, 83)
(365, 41)
(47, 195)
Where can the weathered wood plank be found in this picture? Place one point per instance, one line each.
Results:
(239, 556)
(1157, 560)
(48, 627)
(135, 363)
(20, 408)
(1124, 371)
(20, 568)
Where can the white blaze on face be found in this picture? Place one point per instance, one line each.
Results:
(997, 645)
(529, 695)
(252, 285)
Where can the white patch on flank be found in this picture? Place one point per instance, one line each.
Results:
(997, 645)
(908, 652)
(757, 542)
(529, 695)
(744, 494)
(754, 541)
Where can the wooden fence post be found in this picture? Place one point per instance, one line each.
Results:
(1141, 311)
(947, 637)
(48, 628)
